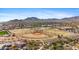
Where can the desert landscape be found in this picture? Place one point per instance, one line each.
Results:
(47, 36)
(39, 29)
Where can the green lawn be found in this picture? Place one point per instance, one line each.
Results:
(3, 32)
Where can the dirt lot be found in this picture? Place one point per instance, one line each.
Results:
(45, 34)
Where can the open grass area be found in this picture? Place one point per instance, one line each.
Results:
(3, 32)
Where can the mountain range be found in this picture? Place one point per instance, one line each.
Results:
(75, 18)
(34, 21)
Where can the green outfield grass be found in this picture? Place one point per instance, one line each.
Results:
(3, 32)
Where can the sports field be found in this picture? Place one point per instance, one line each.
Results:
(37, 34)
(3, 33)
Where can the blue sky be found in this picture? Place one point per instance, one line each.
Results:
(7, 14)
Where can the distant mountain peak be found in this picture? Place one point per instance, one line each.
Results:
(31, 18)
(74, 18)
(14, 20)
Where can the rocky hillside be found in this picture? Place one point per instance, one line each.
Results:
(33, 21)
